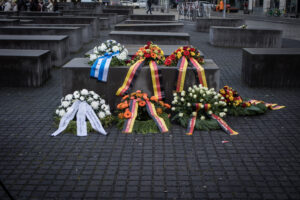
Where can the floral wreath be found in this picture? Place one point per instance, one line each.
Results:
(97, 103)
(142, 114)
(149, 54)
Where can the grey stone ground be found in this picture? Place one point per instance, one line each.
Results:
(262, 162)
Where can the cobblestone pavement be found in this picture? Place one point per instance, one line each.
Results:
(262, 162)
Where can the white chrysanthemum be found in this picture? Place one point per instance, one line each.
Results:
(173, 108)
(122, 56)
(189, 104)
(84, 92)
(191, 94)
(76, 94)
(174, 94)
(202, 117)
(195, 86)
(225, 110)
(61, 113)
(115, 48)
(95, 50)
(92, 92)
(216, 103)
(69, 97)
(102, 101)
(107, 112)
(65, 104)
(183, 93)
(180, 114)
(95, 105)
(194, 96)
(101, 114)
(103, 106)
(57, 111)
(174, 102)
(202, 106)
(193, 91)
(216, 97)
(222, 98)
(201, 100)
(81, 98)
(210, 112)
(182, 99)
(102, 47)
(204, 95)
(190, 89)
(93, 57)
(194, 114)
(222, 114)
(90, 99)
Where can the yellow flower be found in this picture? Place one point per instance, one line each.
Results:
(222, 91)
(162, 52)
(231, 98)
(192, 54)
(179, 55)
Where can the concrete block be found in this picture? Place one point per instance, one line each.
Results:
(160, 27)
(9, 22)
(76, 75)
(38, 13)
(58, 45)
(132, 37)
(129, 21)
(203, 24)
(153, 17)
(237, 37)
(271, 67)
(25, 68)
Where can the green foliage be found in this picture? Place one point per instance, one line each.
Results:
(251, 110)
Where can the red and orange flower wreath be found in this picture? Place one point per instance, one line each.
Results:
(237, 106)
(181, 58)
(142, 114)
(149, 54)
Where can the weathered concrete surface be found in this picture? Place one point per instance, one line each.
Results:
(9, 22)
(38, 13)
(203, 24)
(25, 68)
(160, 27)
(132, 37)
(237, 37)
(58, 45)
(271, 67)
(152, 17)
(118, 11)
(129, 21)
(74, 33)
(76, 75)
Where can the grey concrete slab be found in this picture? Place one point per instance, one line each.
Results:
(87, 32)
(159, 27)
(38, 13)
(132, 37)
(203, 24)
(251, 38)
(25, 68)
(9, 22)
(118, 11)
(163, 17)
(129, 21)
(74, 33)
(76, 75)
(271, 67)
(58, 45)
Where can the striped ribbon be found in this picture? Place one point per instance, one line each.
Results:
(160, 122)
(129, 79)
(192, 121)
(271, 106)
(129, 123)
(223, 125)
(181, 67)
(156, 80)
(100, 67)
(199, 71)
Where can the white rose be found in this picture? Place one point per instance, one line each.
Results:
(204, 95)
(222, 98)
(191, 94)
(210, 112)
(90, 99)
(216, 103)
(95, 105)
(84, 92)
(61, 113)
(95, 96)
(193, 91)
(195, 86)
(81, 98)
(216, 97)
(194, 114)
(201, 100)
(57, 112)
(202, 118)
(76, 94)
(93, 57)
(174, 94)
(102, 47)
(195, 96)
(95, 51)
(182, 99)
(101, 114)
(225, 110)
(69, 97)
(92, 92)
(103, 107)
(190, 89)
(102, 101)
(188, 104)
(115, 48)
(107, 112)
(173, 102)
(173, 108)
(65, 104)
(180, 114)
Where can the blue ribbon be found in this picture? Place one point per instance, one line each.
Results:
(100, 67)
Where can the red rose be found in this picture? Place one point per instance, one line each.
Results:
(186, 53)
(147, 55)
(193, 49)
(185, 48)
(244, 105)
(146, 47)
(133, 57)
(168, 62)
(149, 43)
(172, 57)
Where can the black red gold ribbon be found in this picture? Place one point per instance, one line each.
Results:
(129, 123)
(182, 67)
(160, 122)
(129, 79)
(223, 125)
(271, 106)
(192, 122)
(156, 80)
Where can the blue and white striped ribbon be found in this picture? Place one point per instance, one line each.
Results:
(101, 66)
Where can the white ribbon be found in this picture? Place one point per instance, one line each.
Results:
(84, 110)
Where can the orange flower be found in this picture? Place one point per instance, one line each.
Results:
(145, 96)
(154, 98)
(138, 99)
(125, 97)
(153, 55)
(138, 91)
(161, 103)
(124, 105)
(158, 111)
(119, 105)
(127, 114)
(167, 105)
(142, 103)
(121, 115)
